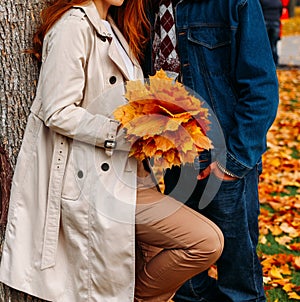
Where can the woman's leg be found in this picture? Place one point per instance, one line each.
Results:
(189, 244)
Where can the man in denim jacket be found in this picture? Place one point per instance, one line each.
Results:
(226, 58)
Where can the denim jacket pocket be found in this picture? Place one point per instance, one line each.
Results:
(212, 44)
(210, 37)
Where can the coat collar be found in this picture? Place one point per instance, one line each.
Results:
(92, 14)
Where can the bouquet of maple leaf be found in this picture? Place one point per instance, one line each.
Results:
(164, 123)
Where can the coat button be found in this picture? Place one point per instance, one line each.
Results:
(112, 80)
(105, 166)
(102, 38)
(80, 174)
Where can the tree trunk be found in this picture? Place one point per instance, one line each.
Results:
(18, 77)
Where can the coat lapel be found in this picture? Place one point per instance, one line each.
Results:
(114, 53)
(94, 18)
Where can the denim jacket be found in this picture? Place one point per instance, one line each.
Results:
(226, 59)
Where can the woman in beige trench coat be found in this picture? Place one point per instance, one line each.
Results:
(71, 229)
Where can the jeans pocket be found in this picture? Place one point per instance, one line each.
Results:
(228, 198)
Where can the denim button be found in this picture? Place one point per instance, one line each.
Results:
(105, 166)
(80, 174)
(112, 80)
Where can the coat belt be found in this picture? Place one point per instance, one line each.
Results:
(52, 221)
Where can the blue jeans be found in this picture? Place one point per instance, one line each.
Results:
(235, 209)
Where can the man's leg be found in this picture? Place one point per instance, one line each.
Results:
(235, 210)
(200, 288)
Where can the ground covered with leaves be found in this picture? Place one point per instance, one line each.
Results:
(279, 243)
(279, 246)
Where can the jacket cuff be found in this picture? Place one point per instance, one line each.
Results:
(110, 142)
(107, 132)
(234, 166)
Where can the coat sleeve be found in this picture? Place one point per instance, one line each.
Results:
(62, 83)
(257, 90)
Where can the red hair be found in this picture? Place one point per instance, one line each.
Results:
(130, 18)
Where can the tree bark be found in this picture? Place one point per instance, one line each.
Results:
(18, 77)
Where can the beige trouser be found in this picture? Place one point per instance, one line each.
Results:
(177, 243)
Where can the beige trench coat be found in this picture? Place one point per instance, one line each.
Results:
(70, 234)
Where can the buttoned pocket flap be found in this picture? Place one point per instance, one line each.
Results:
(209, 37)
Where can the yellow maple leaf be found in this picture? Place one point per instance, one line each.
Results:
(285, 269)
(276, 230)
(146, 126)
(275, 273)
(125, 113)
(163, 143)
(276, 162)
(172, 157)
(136, 90)
(161, 74)
(293, 295)
(149, 147)
(288, 287)
(159, 88)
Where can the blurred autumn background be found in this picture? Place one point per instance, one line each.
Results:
(279, 242)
